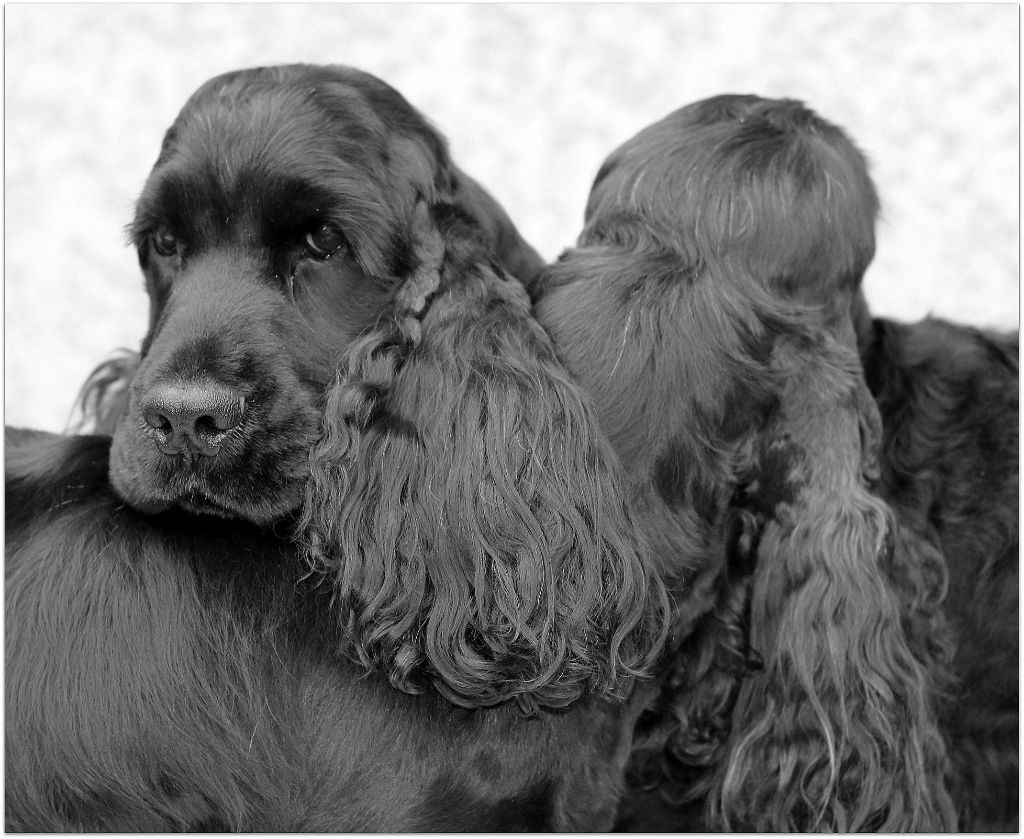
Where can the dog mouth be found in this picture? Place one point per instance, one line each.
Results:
(192, 486)
(220, 496)
(200, 504)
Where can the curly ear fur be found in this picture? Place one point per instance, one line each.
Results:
(464, 506)
(841, 718)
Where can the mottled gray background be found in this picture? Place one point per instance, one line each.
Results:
(532, 97)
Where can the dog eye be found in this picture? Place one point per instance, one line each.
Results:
(165, 243)
(324, 241)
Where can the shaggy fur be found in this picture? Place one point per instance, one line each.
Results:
(336, 350)
(707, 308)
(949, 397)
(176, 672)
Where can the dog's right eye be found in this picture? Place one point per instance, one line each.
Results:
(165, 243)
(324, 241)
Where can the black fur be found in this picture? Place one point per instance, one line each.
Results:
(173, 672)
(336, 354)
(949, 398)
(707, 309)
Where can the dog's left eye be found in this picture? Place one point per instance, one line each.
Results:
(324, 241)
(165, 242)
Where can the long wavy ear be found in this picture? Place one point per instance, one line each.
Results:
(837, 732)
(464, 505)
(512, 251)
(104, 396)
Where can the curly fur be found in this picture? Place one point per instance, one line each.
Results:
(179, 673)
(949, 401)
(707, 308)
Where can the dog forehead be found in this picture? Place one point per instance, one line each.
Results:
(766, 183)
(304, 112)
(272, 130)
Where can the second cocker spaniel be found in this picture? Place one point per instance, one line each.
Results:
(707, 309)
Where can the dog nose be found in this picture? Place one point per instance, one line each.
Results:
(191, 416)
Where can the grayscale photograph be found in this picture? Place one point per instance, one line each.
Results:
(491, 418)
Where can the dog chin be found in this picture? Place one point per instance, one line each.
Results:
(200, 505)
(264, 512)
(142, 488)
(194, 504)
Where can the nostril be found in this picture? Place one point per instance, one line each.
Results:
(207, 427)
(195, 416)
(217, 423)
(155, 420)
(227, 414)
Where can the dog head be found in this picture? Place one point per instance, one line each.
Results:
(335, 338)
(274, 229)
(707, 308)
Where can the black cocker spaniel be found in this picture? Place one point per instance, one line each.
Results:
(346, 460)
(708, 309)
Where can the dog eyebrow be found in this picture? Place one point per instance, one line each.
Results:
(176, 199)
(289, 203)
(282, 205)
